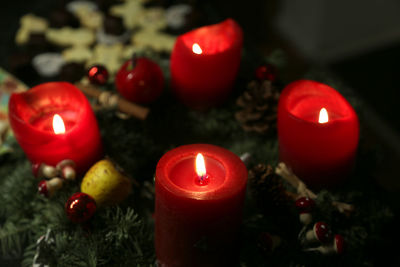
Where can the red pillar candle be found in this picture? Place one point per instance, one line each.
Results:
(54, 121)
(318, 132)
(198, 212)
(204, 63)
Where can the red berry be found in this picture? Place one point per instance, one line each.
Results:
(42, 188)
(339, 244)
(266, 72)
(322, 232)
(80, 207)
(305, 204)
(140, 80)
(98, 75)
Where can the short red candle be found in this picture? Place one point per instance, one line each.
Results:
(31, 116)
(198, 225)
(205, 62)
(321, 153)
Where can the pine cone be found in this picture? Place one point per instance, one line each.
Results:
(259, 105)
(267, 189)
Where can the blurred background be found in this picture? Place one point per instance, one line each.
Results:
(359, 40)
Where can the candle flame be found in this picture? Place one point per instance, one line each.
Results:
(197, 49)
(58, 124)
(200, 165)
(323, 116)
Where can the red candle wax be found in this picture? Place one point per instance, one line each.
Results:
(198, 217)
(204, 64)
(318, 132)
(31, 116)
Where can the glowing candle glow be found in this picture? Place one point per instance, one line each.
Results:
(190, 216)
(53, 122)
(205, 62)
(318, 133)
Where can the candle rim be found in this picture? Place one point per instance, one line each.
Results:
(290, 98)
(188, 151)
(193, 156)
(195, 36)
(19, 99)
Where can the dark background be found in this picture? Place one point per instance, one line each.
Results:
(374, 74)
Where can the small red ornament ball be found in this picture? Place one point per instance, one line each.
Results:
(98, 75)
(80, 207)
(140, 80)
(35, 168)
(42, 188)
(266, 72)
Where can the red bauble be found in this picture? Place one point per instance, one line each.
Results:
(266, 72)
(140, 80)
(98, 75)
(80, 207)
(42, 188)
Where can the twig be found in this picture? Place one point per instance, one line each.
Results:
(286, 173)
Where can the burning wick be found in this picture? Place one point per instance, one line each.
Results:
(58, 124)
(323, 116)
(197, 49)
(202, 177)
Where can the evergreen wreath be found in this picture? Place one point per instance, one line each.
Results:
(123, 235)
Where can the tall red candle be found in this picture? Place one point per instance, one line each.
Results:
(318, 132)
(32, 114)
(198, 217)
(205, 62)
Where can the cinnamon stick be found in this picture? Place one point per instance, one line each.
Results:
(123, 105)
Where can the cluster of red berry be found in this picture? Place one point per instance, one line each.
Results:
(320, 232)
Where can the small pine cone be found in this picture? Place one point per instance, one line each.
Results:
(267, 189)
(259, 105)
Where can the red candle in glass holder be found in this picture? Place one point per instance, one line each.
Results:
(318, 132)
(199, 205)
(205, 62)
(53, 122)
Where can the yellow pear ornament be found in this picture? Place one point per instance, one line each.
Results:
(106, 184)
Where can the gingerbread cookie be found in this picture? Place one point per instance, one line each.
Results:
(108, 55)
(153, 19)
(129, 11)
(160, 42)
(87, 13)
(69, 37)
(79, 54)
(30, 24)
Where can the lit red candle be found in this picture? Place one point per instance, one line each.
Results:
(318, 132)
(54, 121)
(199, 206)
(205, 62)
